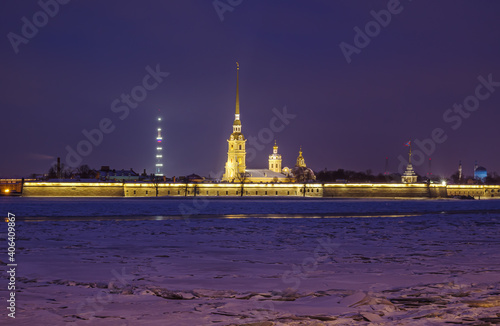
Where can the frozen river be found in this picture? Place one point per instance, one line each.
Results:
(157, 261)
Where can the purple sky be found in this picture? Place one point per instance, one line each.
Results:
(351, 115)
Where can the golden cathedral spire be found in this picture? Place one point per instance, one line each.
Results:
(237, 112)
(237, 122)
(236, 153)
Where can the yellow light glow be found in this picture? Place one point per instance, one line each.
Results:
(7, 190)
(73, 184)
(262, 186)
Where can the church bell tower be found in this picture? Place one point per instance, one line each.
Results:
(275, 159)
(236, 153)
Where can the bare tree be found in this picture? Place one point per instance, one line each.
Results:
(64, 172)
(85, 172)
(242, 178)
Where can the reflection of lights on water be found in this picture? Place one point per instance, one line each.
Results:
(159, 218)
(316, 216)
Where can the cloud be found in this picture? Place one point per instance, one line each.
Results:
(35, 156)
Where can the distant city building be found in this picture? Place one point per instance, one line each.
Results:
(193, 178)
(409, 176)
(106, 174)
(480, 172)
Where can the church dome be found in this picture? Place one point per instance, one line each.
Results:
(300, 160)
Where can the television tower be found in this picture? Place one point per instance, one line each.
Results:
(159, 152)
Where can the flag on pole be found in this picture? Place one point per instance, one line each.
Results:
(408, 143)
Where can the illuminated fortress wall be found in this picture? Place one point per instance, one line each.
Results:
(476, 191)
(10, 185)
(76, 189)
(224, 189)
(72, 189)
(47, 189)
(410, 190)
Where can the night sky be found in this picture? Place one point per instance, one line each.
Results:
(401, 83)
